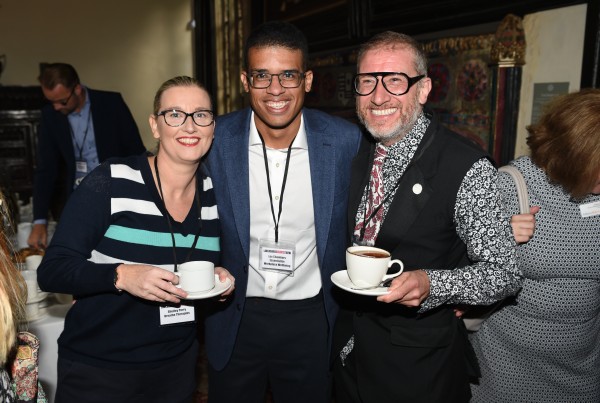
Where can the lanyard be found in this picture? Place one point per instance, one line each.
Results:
(287, 165)
(168, 216)
(80, 149)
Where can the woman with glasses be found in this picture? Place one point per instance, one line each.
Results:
(131, 334)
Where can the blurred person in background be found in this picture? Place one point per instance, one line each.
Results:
(18, 372)
(79, 129)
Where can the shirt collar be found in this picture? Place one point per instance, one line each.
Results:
(299, 142)
(411, 141)
(85, 110)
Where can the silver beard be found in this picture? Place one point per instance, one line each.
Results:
(399, 130)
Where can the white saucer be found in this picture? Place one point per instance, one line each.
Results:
(218, 289)
(341, 279)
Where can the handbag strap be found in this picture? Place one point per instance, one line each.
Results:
(514, 172)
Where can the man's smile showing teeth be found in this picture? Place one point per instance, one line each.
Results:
(277, 105)
(189, 140)
(383, 112)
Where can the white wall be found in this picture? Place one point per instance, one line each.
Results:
(129, 46)
(554, 54)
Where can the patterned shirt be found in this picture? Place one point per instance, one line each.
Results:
(7, 388)
(483, 229)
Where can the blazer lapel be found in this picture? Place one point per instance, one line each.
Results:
(235, 159)
(412, 195)
(410, 198)
(322, 159)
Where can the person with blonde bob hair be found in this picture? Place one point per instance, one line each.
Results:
(18, 349)
(13, 290)
(544, 345)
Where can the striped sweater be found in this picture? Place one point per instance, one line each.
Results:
(117, 216)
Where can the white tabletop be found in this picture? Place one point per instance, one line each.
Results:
(47, 329)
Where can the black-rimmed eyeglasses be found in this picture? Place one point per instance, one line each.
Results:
(287, 79)
(394, 83)
(175, 117)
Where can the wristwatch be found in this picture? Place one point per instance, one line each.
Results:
(115, 279)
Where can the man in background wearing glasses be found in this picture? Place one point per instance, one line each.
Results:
(429, 197)
(281, 174)
(79, 129)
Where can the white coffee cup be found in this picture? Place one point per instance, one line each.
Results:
(23, 231)
(196, 276)
(32, 310)
(30, 277)
(367, 266)
(33, 261)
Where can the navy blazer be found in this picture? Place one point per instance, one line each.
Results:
(116, 135)
(332, 143)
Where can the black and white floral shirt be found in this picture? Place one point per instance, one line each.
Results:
(493, 274)
(7, 388)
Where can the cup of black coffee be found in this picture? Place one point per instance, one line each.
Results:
(367, 266)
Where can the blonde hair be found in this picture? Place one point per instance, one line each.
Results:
(13, 290)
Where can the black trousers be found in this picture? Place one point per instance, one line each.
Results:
(173, 382)
(282, 345)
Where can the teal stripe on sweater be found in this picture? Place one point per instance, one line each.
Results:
(142, 237)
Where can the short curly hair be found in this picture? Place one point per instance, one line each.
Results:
(565, 142)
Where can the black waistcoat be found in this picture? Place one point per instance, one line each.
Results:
(419, 229)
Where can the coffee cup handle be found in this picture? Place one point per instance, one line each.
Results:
(399, 272)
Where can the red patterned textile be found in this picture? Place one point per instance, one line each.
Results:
(376, 196)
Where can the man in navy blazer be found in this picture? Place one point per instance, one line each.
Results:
(281, 178)
(80, 128)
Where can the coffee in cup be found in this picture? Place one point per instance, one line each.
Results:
(367, 266)
(196, 276)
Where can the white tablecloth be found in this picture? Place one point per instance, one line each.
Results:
(47, 329)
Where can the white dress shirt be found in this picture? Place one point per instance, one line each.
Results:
(296, 223)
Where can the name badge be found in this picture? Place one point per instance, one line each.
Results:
(81, 166)
(277, 256)
(172, 315)
(590, 209)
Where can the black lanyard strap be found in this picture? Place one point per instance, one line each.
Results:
(287, 165)
(85, 133)
(199, 188)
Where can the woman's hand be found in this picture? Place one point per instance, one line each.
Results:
(223, 275)
(523, 225)
(149, 282)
